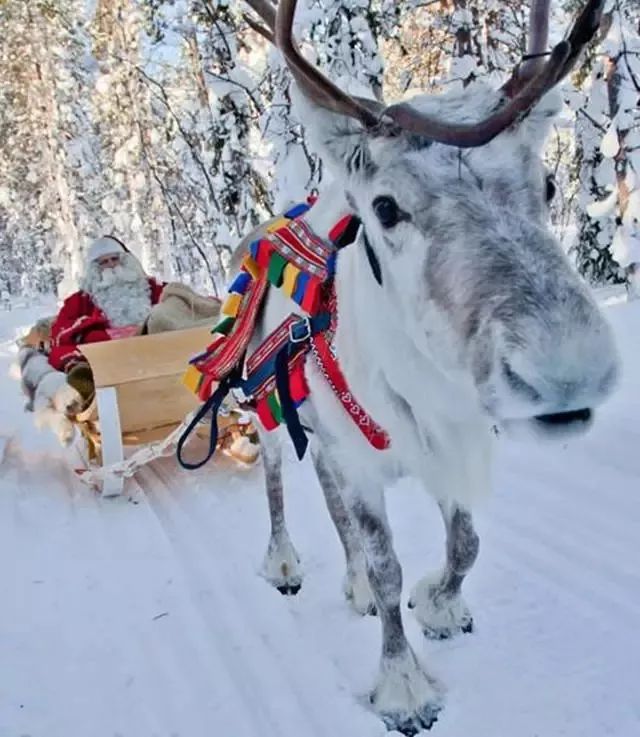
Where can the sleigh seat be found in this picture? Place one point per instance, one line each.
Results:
(140, 399)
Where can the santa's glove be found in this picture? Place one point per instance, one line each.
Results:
(80, 377)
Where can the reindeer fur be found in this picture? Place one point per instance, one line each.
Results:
(480, 321)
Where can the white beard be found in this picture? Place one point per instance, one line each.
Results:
(122, 293)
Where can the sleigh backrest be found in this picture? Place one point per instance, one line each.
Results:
(146, 373)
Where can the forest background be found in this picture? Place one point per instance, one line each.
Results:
(168, 124)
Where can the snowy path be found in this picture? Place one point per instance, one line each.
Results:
(145, 617)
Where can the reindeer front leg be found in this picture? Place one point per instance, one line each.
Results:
(356, 583)
(437, 600)
(281, 566)
(405, 697)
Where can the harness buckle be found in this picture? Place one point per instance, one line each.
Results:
(300, 331)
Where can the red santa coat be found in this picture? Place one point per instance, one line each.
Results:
(81, 321)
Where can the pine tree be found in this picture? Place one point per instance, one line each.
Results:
(123, 116)
(41, 74)
(608, 162)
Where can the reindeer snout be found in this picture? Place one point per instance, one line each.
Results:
(551, 371)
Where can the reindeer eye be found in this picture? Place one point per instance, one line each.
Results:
(550, 187)
(387, 211)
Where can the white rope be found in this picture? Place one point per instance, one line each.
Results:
(150, 452)
(147, 453)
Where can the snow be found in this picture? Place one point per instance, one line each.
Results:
(610, 144)
(144, 616)
(602, 208)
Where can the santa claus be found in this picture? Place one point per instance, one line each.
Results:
(114, 301)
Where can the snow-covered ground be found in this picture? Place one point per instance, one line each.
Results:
(145, 617)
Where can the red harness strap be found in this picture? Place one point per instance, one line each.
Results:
(330, 368)
(328, 363)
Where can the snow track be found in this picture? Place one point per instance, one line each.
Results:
(258, 634)
(145, 616)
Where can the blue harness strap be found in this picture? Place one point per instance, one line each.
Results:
(300, 333)
(211, 405)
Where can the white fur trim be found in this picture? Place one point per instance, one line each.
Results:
(105, 246)
(52, 398)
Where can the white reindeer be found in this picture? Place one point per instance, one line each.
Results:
(457, 312)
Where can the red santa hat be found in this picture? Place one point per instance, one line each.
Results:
(108, 245)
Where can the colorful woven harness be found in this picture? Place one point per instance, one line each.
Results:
(292, 258)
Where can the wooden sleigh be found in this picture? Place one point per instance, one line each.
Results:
(140, 400)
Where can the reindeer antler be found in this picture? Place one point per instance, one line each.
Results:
(581, 33)
(538, 37)
(267, 12)
(310, 80)
(522, 90)
(310, 76)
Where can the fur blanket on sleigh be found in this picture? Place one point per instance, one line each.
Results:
(180, 307)
(53, 401)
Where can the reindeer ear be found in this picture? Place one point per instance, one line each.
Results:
(339, 139)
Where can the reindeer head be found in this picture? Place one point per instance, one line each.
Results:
(452, 194)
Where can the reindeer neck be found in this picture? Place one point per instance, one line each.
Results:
(380, 354)
(372, 344)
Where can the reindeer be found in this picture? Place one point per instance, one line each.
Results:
(457, 312)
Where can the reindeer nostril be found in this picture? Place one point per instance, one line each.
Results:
(566, 418)
(518, 384)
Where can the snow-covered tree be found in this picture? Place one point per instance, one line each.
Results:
(169, 122)
(43, 188)
(608, 134)
(206, 156)
(483, 38)
(242, 194)
(344, 40)
(123, 116)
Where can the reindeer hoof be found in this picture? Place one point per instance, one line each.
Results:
(406, 698)
(289, 589)
(423, 719)
(439, 614)
(357, 589)
(446, 633)
(365, 608)
(281, 566)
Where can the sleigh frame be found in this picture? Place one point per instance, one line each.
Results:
(139, 399)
